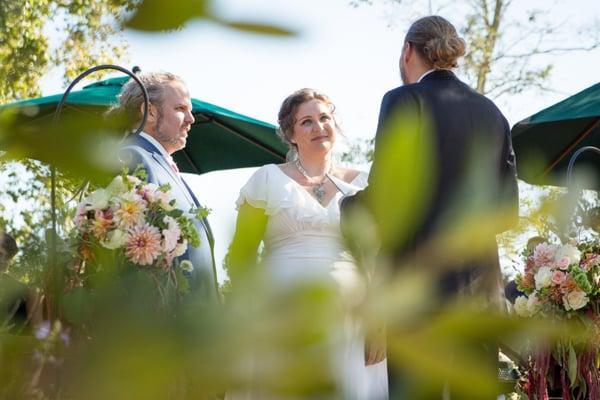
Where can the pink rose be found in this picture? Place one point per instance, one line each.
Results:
(558, 277)
(575, 300)
(563, 263)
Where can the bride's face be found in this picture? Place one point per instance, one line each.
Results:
(315, 130)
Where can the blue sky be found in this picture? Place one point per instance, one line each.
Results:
(350, 53)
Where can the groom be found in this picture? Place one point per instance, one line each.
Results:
(169, 121)
(459, 120)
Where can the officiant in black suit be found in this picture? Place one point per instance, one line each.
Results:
(460, 124)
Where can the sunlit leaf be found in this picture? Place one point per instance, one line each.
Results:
(572, 367)
(401, 187)
(257, 27)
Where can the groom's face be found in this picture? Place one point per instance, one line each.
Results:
(172, 121)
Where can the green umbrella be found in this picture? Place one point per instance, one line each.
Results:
(219, 139)
(545, 142)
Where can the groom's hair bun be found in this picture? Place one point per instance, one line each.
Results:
(287, 115)
(437, 41)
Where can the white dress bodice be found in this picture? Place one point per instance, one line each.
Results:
(302, 237)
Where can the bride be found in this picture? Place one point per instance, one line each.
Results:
(297, 204)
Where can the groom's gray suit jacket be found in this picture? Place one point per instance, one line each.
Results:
(137, 150)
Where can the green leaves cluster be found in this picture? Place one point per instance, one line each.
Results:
(39, 35)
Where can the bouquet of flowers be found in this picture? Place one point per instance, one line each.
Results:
(562, 282)
(134, 225)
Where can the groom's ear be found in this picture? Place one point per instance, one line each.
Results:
(407, 51)
(151, 112)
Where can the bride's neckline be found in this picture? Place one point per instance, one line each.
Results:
(326, 206)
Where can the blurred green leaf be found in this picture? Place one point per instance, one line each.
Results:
(78, 306)
(261, 28)
(400, 187)
(80, 144)
(160, 15)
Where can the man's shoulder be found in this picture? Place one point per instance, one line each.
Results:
(132, 153)
(404, 90)
(407, 94)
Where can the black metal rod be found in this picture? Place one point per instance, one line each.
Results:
(574, 158)
(98, 68)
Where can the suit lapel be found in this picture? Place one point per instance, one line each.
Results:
(204, 220)
(160, 159)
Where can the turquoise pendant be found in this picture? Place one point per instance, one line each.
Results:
(319, 192)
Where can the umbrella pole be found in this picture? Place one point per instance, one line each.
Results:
(574, 144)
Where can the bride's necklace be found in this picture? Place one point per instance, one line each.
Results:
(318, 187)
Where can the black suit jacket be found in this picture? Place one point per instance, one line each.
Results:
(462, 123)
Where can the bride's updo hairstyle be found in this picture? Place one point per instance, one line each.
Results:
(287, 116)
(436, 41)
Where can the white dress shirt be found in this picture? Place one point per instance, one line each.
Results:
(160, 148)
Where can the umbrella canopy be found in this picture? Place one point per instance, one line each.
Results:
(219, 139)
(545, 141)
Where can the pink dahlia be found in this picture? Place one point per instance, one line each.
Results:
(131, 211)
(103, 222)
(142, 244)
(543, 255)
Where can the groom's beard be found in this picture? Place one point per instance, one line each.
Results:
(163, 137)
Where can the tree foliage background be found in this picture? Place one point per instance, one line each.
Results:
(72, 35)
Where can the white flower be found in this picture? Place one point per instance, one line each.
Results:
(568, 251)
(117, 186)
(97, 200)
(154, 195)
(179, 249)
(164, 199)
(171, 234)
(130, 211)
(575, 300)
(521, 306)
(114, 239)
(533, 305)
(134, 180)
(543, 278)
(187, 266)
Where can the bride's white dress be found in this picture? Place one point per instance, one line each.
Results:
(303, 242)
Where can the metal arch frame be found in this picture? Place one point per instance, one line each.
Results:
(574, 158)
(55, 119)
